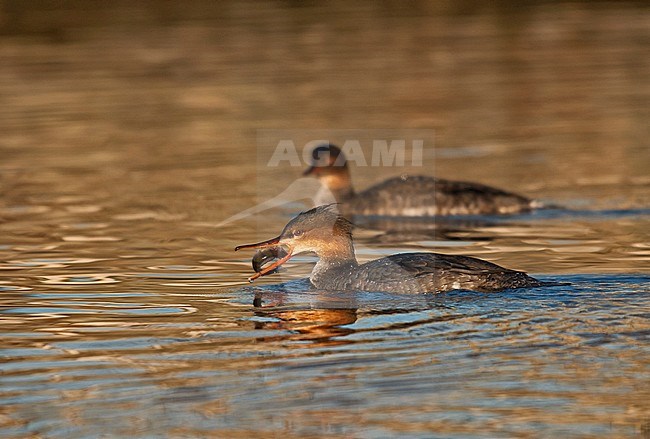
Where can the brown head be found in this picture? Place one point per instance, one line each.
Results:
(329, 165)
(320, 230)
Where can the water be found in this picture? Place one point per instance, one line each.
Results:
(129, 134)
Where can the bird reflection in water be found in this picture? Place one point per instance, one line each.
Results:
(321, 325)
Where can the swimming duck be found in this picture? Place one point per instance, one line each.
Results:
(410, 195)
(324, 231)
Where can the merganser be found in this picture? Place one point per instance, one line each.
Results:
(324, 231)
(410, 195)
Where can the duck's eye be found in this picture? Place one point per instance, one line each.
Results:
(297, 233)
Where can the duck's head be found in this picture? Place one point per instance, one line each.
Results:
(327, 160)
(320, 230)
(330, 166)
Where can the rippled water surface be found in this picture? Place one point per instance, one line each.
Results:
(130, 137)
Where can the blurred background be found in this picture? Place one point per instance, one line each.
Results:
(539, 96)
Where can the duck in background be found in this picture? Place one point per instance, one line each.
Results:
(409, 196)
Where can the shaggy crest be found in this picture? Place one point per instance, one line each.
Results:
(327, 155)
(319, 217)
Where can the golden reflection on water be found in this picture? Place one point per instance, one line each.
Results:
(130, 133)
(320, 326)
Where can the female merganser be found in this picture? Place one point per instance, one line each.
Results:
(410, 195)
(323, 231)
